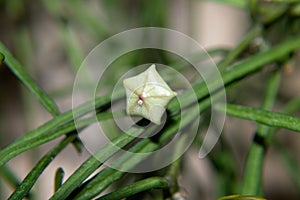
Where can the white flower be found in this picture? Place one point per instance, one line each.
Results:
(147, 95)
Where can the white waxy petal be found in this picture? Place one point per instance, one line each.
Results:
(147, 95)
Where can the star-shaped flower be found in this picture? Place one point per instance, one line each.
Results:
(147, 95)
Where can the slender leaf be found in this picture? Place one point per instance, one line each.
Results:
(22, 75)
(26, 185)
(140, 186)
(252, 182)
(268, 118)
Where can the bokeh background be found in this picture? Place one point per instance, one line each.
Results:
(51, 38)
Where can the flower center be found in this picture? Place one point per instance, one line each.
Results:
(141, 99)
(140, 102)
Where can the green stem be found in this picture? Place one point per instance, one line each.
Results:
(289, 108)
(22, 75)
(262, 116)
(252, 180)
(233, 54)
(140, 186)
(26, 185)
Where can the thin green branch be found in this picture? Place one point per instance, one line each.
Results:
(137, 187)
(234, 53)
(199, 56)
(22, 75)
(252, 182)
(268, 118)
(289, 108)
(26, 185)
(271, 91)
